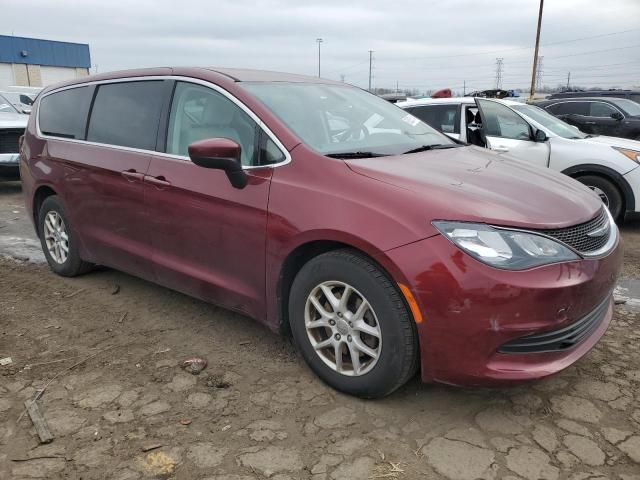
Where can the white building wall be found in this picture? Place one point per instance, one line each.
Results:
(51, 75)
(6, 75)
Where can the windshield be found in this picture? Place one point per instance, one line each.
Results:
(336, 119)
(630, 108)
(5, 106)
(548, 121)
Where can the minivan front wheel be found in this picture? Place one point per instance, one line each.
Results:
(351, 325)
(58, 240)
(607, 191)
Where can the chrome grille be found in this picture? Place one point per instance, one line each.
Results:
(577, 236)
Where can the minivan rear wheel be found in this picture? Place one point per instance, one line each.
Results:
(607, 191)
(351, 325)
(59, 242)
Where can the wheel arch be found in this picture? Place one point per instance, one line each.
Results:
(304, 252)
(608, 174)
(39, 196)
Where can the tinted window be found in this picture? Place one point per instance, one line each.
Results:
(501, 121)
(198, 112)
(599, 109)
(442, 117)
(127, 114)
(568, 108)
(64, 114)
(635, 98)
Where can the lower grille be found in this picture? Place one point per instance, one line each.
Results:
(581, 237)
(9, 141)
(562, 339)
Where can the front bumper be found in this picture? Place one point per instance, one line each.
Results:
(471, 310)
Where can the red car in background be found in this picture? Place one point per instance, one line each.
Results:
(379, 244)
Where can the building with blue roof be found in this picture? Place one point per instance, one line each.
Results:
(35, 62)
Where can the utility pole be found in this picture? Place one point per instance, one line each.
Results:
(535, 54)
(342, 77)
(319, 40)
(464, 88)
(568, 79)
(499, 62)
(397, 86)
(539, 72)
(370, 67)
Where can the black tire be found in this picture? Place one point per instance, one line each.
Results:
(398, 357)
(73, 265)
(610, 190)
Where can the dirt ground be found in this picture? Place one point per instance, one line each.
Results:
(130, 412)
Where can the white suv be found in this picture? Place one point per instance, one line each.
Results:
(608, 165)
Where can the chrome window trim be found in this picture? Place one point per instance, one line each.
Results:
(180, 78)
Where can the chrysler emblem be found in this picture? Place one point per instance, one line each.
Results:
(599, 232)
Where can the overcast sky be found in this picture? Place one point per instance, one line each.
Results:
(419, 44)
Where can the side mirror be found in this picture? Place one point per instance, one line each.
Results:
(617, 116)
(220, 154)
(540, 136)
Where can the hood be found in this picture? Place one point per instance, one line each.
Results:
(613, 142)
(13, 120)
(477, 185)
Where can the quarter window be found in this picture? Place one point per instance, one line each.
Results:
(127, 114)
(64, 114)
(199, 112)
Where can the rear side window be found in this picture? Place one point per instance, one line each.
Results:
(127, 114)
(442, 117)
(567, 108)
(64, 114)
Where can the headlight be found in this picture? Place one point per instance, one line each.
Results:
(630, 154)
(508, 249)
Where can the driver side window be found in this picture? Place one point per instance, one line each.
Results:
(501, 121)
(198, 112)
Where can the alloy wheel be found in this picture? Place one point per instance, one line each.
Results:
(56, 237)
(343, 328)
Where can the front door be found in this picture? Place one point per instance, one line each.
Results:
(602, 121)
(208, 238)
(505, 131)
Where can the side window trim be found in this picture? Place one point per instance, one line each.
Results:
(239, 103)
(163, 125)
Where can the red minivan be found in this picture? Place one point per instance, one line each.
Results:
(382, 246)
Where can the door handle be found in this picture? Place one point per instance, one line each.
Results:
(589, 123)
(159, 181)
(131, 175)
(500, 149)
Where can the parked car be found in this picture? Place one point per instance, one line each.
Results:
(381, 251)
(616, 117)
(12, 125)
(22, 101)
(607, 165)
(633, 95)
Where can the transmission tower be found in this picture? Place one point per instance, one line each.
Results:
(539, 73)
(499, 62)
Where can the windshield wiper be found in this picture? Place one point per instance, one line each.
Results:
(355, 155)
(439, 146)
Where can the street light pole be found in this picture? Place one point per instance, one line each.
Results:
(535, 55)
(319, 40)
